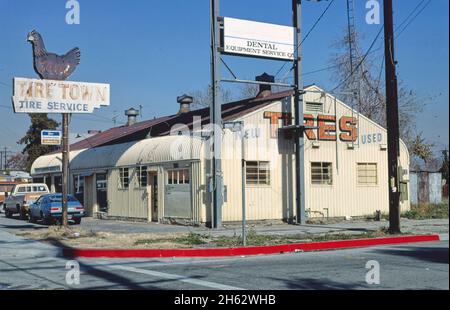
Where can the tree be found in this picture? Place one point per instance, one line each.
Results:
(421, 149)
(203, 97)
(368, 96)
(32, 139)
(17, 162)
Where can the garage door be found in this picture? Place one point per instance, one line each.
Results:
(177, 194)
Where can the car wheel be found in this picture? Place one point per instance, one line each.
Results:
(22, 215)
(8, 213)
(31, 218)
(45, 220)
(77, 221)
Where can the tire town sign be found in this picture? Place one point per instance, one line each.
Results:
(51, 96)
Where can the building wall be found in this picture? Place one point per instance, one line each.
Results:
(272, 201)
(129, 202)
(345, 197)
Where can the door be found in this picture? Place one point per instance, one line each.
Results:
(102, 195)
(177, 194)
(152, 195)
(89, 194)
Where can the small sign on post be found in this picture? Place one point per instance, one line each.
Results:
(51, 137)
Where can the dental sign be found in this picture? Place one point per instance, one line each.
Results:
(50, 96)
(255, 39)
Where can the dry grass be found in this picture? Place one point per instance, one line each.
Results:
(423, 211)
(79, 238)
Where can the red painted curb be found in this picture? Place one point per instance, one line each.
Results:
(255, 250)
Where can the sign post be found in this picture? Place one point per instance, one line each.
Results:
(261, 40)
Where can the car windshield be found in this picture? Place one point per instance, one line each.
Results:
(59, 199)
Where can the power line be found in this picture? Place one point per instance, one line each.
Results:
(411, 13)
(307, 34)
(381, 47)
(415, 16)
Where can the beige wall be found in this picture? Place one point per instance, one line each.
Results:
(345, 197)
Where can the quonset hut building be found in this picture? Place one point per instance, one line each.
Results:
(158, 170)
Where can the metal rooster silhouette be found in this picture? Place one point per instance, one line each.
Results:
(49, 65)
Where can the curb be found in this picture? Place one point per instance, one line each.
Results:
(244, 251)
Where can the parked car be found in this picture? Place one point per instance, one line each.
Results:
(48, 208)
(5, 191)
(22, 196)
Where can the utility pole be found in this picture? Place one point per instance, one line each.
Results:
(65, 166)
(299, 117)
(215, 114)
(392, 119)
(6, 158)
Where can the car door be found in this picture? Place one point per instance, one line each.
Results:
(35, 207)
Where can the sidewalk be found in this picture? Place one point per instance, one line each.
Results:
(438, 226)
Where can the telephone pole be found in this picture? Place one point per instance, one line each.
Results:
(299, 117)
(65, 166)
(5, 166)
(392, 119)
(215, 114)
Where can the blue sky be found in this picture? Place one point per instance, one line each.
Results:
(152, 51)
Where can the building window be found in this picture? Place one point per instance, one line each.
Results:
(178, 176)
(257, 173)
(367, 174)
(316, 107)
(321, 173)
(142, 176)
(124, 178)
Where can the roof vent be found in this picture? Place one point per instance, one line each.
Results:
(185, 102)
(131, 113)
(265, 89)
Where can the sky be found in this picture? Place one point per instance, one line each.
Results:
(152, 51)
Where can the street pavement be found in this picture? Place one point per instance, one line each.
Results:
(27, 264)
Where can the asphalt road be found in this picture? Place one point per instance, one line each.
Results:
(26, 264)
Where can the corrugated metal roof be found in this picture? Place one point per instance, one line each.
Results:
(115, 133)
(161, 126)
(50, 163)
(161, 149)
(143, 152)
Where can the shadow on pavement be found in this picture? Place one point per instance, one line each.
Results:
(24, 226)
(437, 255)
(113, 277)
(318, 284)
(109, 276)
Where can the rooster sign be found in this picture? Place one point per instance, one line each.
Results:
(49, 65)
